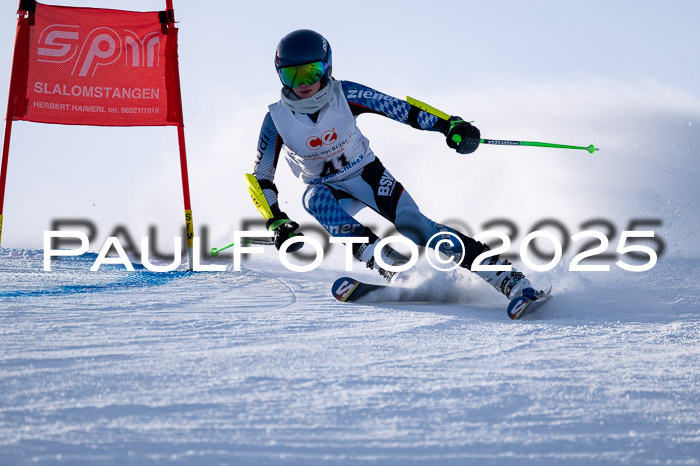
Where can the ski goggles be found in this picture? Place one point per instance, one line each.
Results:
(310, 73)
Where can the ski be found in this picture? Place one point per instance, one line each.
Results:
(527, 302)
(346, 289)
(350, 290)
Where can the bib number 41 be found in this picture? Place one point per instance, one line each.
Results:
(334, 166)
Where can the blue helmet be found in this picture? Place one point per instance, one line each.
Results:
(303, 56)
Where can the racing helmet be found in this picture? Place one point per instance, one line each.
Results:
(303, 57)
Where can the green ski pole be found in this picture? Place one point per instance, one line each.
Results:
(500, 142)
(215, 251)
(457, 138)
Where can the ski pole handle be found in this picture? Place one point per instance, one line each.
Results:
(457, 138)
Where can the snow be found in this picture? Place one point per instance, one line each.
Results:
(263, 367)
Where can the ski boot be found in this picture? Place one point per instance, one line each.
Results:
(365, 252)
(511, 284)
(515, 287)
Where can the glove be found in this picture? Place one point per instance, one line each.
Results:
(284, 229)
(469, 135)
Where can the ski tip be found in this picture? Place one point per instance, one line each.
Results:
(544, 294)
(518, 305)
(343, 287)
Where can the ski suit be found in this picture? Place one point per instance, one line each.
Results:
(329, 153)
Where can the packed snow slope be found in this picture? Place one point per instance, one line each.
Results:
(264, 367)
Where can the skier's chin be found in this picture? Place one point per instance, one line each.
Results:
(305, 94)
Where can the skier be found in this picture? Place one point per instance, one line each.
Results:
(314, 121)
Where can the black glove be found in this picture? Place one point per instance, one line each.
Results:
(284, 229)
(469, 135)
